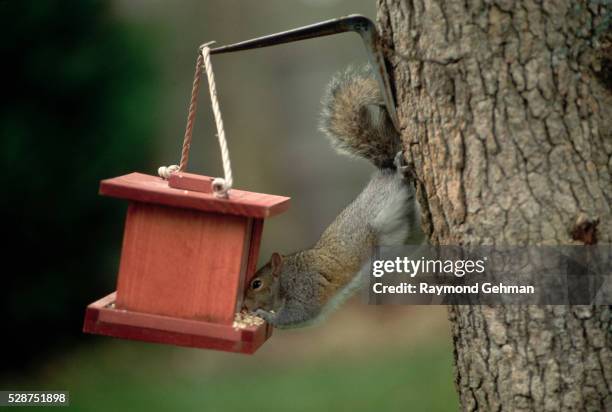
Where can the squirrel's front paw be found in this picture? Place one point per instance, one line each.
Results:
(269, 317)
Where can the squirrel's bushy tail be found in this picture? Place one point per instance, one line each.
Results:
(355, 119)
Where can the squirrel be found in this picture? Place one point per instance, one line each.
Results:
(297, 289)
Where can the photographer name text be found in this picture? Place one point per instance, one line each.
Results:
(429, 289)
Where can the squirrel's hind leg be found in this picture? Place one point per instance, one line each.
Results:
(404, 169)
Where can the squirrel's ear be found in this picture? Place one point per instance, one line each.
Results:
(277, 262)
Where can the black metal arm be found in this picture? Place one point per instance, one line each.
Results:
(354, 22)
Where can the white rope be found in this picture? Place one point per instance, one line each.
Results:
(221, 186)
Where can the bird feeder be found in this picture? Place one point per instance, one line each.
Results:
(185, 260)
(190, 244)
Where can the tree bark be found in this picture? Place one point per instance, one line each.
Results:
(506, 114)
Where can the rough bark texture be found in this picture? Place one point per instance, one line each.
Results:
(506, 114)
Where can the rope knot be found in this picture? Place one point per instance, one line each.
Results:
(221, 188)
(165, 171)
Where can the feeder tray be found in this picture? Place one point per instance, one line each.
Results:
(186, 258)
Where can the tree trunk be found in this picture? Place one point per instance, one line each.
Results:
(506, 114)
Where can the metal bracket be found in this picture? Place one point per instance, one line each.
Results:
(355, 23)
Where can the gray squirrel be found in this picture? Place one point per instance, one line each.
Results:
(297, 289)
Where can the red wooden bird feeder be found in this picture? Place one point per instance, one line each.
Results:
(187, 255)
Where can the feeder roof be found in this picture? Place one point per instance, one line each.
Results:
(152, 189)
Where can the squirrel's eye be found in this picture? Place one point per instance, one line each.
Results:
(256, 284)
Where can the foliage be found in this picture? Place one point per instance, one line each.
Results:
(76, 107)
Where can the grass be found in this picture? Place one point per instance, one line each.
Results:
(139, 377)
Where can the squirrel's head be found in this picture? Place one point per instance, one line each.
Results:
(262, 291)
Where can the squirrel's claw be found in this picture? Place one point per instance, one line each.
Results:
(404, 169)
(269, 317)
(400, 161)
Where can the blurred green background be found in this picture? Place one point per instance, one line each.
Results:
(96, 89)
